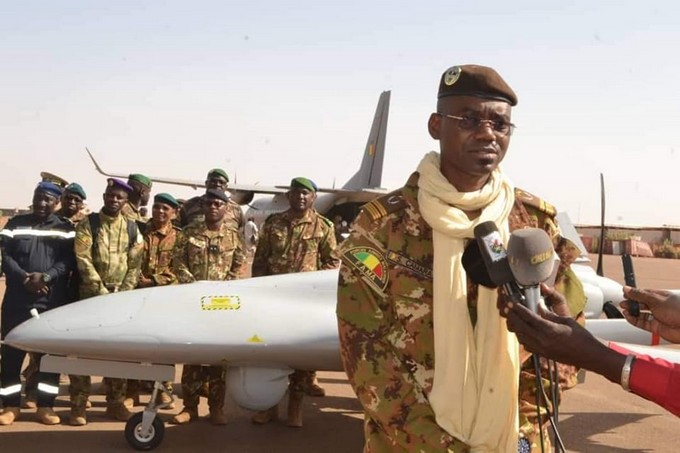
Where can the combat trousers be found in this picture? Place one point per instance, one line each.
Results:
(10, 367)
(80, 388)
(193, 379)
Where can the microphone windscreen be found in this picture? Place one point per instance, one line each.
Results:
(474, 266)
(531, 256)
(493, 253)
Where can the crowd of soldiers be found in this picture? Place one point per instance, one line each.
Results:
(59, 253)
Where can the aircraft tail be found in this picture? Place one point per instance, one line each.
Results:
(369, 175)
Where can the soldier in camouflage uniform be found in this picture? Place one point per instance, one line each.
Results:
(297, 240)
(386, 289)
(72, 208)
(139, 197)
(192, 211)
(210, 250)
(111, 263)
(159, 242)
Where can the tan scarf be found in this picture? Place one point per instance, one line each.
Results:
(476, 374)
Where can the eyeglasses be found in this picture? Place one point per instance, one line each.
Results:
(471, 123)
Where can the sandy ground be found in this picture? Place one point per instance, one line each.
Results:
(596, 416)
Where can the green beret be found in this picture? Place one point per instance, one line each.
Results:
(478, 81)
(140, 178)
(218, 172)
(304, 183)
(77, 189)
(166, 198)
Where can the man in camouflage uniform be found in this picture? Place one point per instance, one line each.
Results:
(192, 210)
(71, 211)
(297, 240)
(139, 197)
(209, 250)
(391, 268)
(106, 264)
(159, 242)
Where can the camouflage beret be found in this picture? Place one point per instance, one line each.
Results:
(166, 198)
(140, 178)
(218, 172)
(214, 193)
(303, 183)
(49, 188)
(120, 184)
(77, 189)
(474, 80)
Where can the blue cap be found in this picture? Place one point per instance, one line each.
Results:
(49, 188)
(115, 182)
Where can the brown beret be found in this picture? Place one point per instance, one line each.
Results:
(474, 80)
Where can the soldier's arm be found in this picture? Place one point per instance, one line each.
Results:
(180, 260)
(83, 250)
(386, 389)
(238, 260)
(134, 260)
(262, 252)
(14, 273)
(327, 258)
(167, 277)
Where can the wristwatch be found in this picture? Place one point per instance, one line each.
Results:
(46, 277)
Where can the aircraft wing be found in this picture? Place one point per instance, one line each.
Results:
(195, 184)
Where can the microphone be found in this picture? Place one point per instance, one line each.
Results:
(531, 260)
(495, 258)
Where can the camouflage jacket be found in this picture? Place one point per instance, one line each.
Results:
(75, 218)
(132, 213)
(201, 254)
(386, 326)
(157, 258)
(111, 265)
(288, 244)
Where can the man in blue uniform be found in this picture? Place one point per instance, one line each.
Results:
(37, 258)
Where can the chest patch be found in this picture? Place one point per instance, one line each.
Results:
(370, 263)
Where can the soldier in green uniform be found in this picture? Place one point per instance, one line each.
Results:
(425, 349)
(72, 203)
(108, 249)
(159, 242)
(297, 240)
(209, 250)
(192, 210)
(139, 197)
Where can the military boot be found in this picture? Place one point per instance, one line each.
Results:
(78, 417)
(187, 415)
(313, 387)
(164, 398)
(9, 415)
(295, 409)
(266, 416)
(118, 411)
(217, 416)
(132, 401)
(47, 416)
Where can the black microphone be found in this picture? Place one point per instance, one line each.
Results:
(490, 245)
(531, 258)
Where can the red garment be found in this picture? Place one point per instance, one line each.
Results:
(656, 380)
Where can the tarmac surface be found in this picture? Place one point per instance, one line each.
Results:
(596, 416)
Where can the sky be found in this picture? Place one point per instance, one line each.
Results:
(270, 90)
